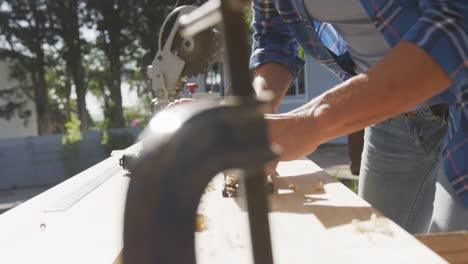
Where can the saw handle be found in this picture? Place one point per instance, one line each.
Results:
(192, 87)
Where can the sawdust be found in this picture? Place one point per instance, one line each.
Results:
(319, 187)
(376, 224)
(201, 223)
(292, 187)
(231, 176)
(210, 187)
(231, 182)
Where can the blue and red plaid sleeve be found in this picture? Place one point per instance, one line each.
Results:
(272, 40)
(439, 27)
(442, 31)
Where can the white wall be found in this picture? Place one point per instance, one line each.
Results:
(15, 127)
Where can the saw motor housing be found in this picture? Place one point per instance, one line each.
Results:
(179, 58)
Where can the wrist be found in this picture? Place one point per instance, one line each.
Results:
(274, 78)
(294, 134)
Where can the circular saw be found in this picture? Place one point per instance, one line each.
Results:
(179, 58)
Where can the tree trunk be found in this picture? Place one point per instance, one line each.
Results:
(41, 93)
(81, 89)
(77, 66)
(68, 85)
(116, 118)
(41, 96)
(110, 27)
(113, 53)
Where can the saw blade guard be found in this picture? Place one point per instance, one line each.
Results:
(179, 58)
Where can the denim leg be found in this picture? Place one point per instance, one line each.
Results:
(449, 212)
(399, 168)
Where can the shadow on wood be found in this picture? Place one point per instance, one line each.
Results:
(311, 195)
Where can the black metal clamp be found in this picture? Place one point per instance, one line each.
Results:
(171, 175)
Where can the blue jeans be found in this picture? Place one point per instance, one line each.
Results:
(449, 212)
(400, 167)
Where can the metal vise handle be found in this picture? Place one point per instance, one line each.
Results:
(231, 15)
(168, 181)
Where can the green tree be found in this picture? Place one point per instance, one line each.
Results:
(145, 22)
(110, 19)
(60, 103)
(66, 20)
(14, 98)
(25, 33)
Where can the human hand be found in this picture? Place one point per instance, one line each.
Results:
(294, 135)
(270, 168)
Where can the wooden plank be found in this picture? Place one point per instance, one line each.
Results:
(453, 246)
(89, 231)
(312, 224)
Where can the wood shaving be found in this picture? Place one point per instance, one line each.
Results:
(231, 178)
(233, 174)
(319, 187)
(210, 187)
(201, 223)
(376, 224)
(292, 187)
(232, 182)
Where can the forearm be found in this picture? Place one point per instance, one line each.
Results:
(401, 81)
(275, 78)
(404, 79)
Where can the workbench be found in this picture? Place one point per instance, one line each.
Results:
(313, 218)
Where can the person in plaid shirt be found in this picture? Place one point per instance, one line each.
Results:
(404, 70)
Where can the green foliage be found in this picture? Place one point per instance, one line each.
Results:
(60, 103)
(136, 115)
(14, 99)
(114, 39)
(25, 32)
(300, 52)
(73, 133)
(13, 103)
(115, 141)
(59, 117)
(248, 18)
(98, 125)
(353, 185)
(71, 146)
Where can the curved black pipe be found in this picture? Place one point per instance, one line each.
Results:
(169, 180)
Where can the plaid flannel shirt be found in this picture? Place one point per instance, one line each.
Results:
(440, 27)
